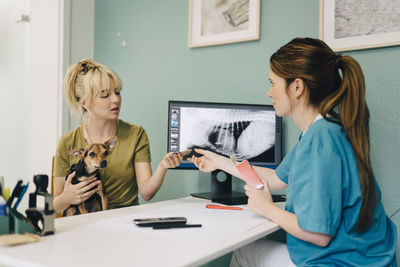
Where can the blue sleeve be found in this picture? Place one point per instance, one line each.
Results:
(317, 186)
(282, 171)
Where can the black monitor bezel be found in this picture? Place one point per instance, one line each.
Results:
(278, 127)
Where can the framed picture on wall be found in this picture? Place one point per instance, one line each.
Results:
(215, 22)
(352, 24)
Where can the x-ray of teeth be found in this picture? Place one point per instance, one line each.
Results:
(246, 133)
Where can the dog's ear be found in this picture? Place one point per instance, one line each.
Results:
(77, 152)
(111, 143)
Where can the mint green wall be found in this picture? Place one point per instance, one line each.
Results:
(156, 65)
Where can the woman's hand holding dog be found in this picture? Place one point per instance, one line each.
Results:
(78, 193)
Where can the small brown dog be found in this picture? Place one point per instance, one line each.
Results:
(92, 158)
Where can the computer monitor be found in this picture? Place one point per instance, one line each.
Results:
(251, 132)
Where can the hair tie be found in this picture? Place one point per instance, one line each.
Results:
(338, 59)
(86, 66)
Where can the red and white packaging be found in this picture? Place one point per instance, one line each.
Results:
(249, 175)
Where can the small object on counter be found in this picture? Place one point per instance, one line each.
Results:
(18, 239)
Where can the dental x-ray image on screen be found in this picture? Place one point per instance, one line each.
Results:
(248, 131)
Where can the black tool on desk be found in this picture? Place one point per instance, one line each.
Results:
(166, 221)
(45, 216)
(188, 153)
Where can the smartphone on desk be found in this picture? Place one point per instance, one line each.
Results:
(147, 222)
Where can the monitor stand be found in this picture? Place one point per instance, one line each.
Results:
(219, 189)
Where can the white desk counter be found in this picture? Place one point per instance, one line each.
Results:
(110, 238)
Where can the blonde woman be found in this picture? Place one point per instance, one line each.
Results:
(93, 92)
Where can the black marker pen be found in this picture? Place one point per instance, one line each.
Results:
(176, 226)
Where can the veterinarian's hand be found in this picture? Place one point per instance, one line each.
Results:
(171, 160)
(259, 200)
(78, 193)
(208, 162)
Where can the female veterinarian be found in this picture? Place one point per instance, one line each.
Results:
(94, 90)
(333, 214)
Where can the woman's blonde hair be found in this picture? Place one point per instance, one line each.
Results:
(85, 79)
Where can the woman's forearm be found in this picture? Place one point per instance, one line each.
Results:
(266, 174)
(150, 187)
(288, 222)
(60, 204)
(227, 165)
(269, 176)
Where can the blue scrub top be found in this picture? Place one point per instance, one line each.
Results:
(324, 193)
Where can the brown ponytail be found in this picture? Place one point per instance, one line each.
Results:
(339, 97)
(354, 116)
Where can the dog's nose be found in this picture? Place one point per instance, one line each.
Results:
(103, 163)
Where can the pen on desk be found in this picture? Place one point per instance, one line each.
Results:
(1, 185)
(21, 195)
(223, 207)
(176, 226)
(15, 193)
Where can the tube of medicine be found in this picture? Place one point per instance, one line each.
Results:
(3, 207)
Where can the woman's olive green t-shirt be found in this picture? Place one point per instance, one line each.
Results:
(119, 177)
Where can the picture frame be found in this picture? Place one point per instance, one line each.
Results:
(349, 25)
(219, 22)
